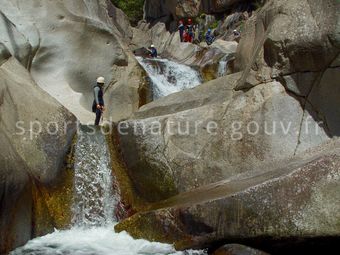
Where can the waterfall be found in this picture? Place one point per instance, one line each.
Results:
(222, 66)
(95, 200)
(169, 77)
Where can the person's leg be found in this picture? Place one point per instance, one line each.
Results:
(98, 116)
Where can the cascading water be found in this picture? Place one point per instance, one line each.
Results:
(222, 66)
(169, 77)
(95, 201)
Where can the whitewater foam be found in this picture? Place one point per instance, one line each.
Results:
(169, 77)
(95, 241)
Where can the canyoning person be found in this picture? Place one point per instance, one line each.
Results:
(181, 29)
(209, 37)
(190, 29)
(153, 51)
(236, 33)
(98, 102)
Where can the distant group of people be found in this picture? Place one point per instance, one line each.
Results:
(194, 33)
(186, 32)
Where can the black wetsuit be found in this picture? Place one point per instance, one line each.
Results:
(154, 53)
(98, 99)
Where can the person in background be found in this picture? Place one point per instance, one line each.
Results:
(209, 37)
(236, 33)
(153, 51)
(185, 35)
(98, 102)
(190, 29)
(181, 29)
(197, 35)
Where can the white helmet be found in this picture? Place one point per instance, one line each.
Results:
(100, 80)
(152, 46)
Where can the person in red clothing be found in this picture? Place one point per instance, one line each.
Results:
(190, 29)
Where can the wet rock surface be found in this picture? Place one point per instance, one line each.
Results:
(237, 249)
(30, 153)
(284, 203)
(240, 181)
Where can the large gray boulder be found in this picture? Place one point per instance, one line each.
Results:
(15, 41)
(35, 134)
(220, 6)
(288, 37)
(66, 45)
(211, 132)
(125, 96)
(120, 21)
(170, 11)
(295, 201)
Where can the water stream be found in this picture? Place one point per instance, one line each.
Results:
(168, 77)
(95, 200)
(222, 66)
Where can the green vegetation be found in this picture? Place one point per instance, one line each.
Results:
(214, 24)
(132, 8)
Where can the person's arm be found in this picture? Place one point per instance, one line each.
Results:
(96, 92)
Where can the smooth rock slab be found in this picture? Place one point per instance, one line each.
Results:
(298, 200)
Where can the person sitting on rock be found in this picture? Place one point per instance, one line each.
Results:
(209, 37)
(181, 29)
(153, 51)
(236, 33)
(98, 102)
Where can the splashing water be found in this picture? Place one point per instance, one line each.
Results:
(93, 220)
(169, 77)
(95, 241)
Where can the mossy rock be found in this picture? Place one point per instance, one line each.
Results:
(129, 198)
(155, 229)
(52, 203)
(209, 72)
